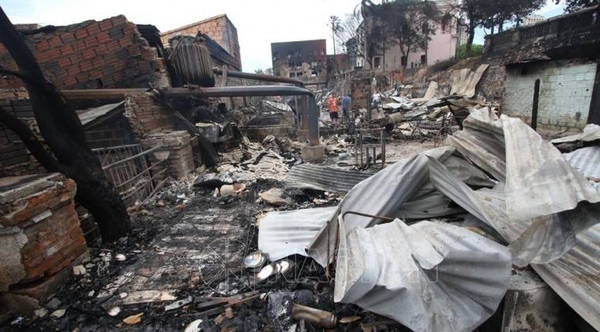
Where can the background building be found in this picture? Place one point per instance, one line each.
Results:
(219, 28)
(304, 60)
(445, 40)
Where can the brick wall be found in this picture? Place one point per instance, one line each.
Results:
(360, 91)
(177, 148)
(107, 54)
(15, 159)
(146, 115)
(40, 238)
(566, 89)
(219, 29)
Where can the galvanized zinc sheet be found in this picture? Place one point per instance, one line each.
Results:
(286, 233)
(308, 176)
(429, 276)
(591, 133)
(587, 162)
(574, 277)
(382, 194)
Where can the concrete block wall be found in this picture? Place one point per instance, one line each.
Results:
(40, 238)
(176, 148)
(566, 89)
(93, 54)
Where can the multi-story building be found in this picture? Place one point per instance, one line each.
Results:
(533, 19)
(304, 60)
(219, 28)
(446, 37)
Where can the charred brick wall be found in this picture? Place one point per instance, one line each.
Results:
(146, 115)
(219, 29)
(40, 238)
(107, 54)
(360, 91)
(15, 159)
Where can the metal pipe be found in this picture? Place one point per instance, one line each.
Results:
(258, 77)
(319, 317)
(258, 91)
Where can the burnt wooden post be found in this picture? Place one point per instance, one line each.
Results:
(536, 101)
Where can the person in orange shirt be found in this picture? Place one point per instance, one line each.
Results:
(333, 108)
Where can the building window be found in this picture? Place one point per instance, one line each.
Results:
(377, 62)
(275, 56)
(423, 59)
(314, 73)
(446, 24)
(292, 74)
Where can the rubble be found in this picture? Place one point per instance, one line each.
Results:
(429, 213)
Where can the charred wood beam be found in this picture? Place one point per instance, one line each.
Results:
(63, 133)
(30, 140)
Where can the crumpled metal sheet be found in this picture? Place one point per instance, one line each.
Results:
(382, 194)
(574, 277)
(591, 133)
(539, 180)
(482, 142)
(308, 176)
(286, 233)
(429, 276)
(587, 162)
(531, 210)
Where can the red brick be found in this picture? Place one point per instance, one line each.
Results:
(105, 24)
(134, 50)
(64, 62)
(125, 42)
(55, 41)
(66, 50)
(91, 42)
(81, 33)
(67, 37)
(118, 20)
(88, 54)
(93, 29)
(42, 45)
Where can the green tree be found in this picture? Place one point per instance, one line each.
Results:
(575, 5)
(476, 50)
(409, 24)
(491, 13)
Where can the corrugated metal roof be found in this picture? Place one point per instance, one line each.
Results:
(587, 162)
(308, 176)
(87, 117)
(591, 133)
(574, 277)
(286, 233)
(428, 277)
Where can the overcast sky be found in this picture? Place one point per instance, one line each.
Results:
(259, 22)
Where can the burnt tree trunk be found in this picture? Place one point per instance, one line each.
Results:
(63, 133)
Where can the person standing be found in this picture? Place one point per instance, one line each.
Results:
(376, 100)
(333, 109)
(346, 105)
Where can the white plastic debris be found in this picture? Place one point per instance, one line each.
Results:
(120, 257)
(114, 311)
(58, 313)
(194, 326)
(79, 270)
